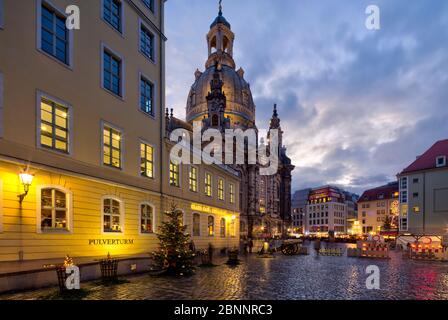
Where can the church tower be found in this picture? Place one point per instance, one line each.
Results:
(216, 103)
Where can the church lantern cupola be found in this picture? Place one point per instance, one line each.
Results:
(220, 40)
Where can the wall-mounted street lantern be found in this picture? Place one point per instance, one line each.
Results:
(26, 179)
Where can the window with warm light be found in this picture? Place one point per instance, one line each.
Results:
(196, 224)
(112, 147)
(211, 226)
(54, 125)
(174, 175)
(53, 209)
(232, 193)
(222, 228)
(112, 219)
(193, 179)
(208, 185)
(221, 189)
(146, 160)
(146, 218)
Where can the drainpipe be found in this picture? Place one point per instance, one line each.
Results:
(424, 203)
(162, 102)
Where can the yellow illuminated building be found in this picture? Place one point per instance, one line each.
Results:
(84, 160)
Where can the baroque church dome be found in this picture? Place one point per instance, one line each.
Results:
(240, 107)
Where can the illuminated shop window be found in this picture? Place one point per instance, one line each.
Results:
(221, 189)
(112, 219)
(193, 179)
(54, 209)
(146, 218)
(112, 147)
(146, 160)
(196, 225)
(211, 226)
(54, 131)
(223, 228)
(174, 174)
(208, 185)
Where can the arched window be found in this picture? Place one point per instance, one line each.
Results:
(196, 225)
(223, 228)
(146, 218)
(112, 215)
(54, 209)
(211, 226)
(215, 120)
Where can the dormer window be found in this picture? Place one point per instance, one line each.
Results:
(441, 161)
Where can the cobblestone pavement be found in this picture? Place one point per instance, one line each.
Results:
(297, 277)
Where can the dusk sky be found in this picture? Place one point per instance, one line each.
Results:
(357, 106)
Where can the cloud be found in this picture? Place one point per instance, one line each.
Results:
(357, 106)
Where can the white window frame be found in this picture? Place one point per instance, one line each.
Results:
(155, 43)
(154, 228)
(39, 96)
(1, 103)
(155, 97)
(122, 20)
(70, 51)
(69, 199)
(122, 145)
(122, 214)
(2, 14)
(105, 47)
(443, 158)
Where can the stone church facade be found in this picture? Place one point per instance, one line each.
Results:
(221, 98)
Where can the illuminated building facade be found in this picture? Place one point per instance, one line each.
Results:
(221, 98)
(378, 209)
(326, 211)
(423, 188)
(82, 117)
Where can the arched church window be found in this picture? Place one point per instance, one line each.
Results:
(215, 121)
(226, 44)
(213, 45)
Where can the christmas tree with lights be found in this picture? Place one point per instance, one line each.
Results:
(175, 256)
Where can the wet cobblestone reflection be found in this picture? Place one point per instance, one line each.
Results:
(296, 277)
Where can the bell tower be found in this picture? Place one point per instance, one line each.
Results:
(220, 41)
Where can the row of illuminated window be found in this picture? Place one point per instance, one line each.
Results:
(55, 40)
(193, 182)
(223, 232)
(55, 134)
(56, 214)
